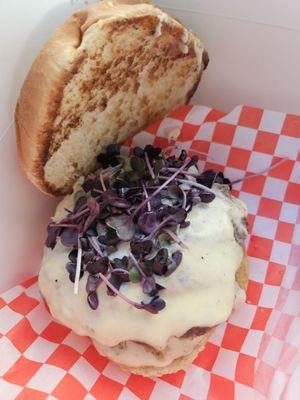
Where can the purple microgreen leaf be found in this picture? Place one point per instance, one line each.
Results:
(176, 260)
(87, 256)
(182, 155)
(69, 237)
(138, 151)
(155, 291)
(155, 305)
(209, 177)
(92, 283)
(91, 184)
(174, 192)
(158, 165)
(178, 215)
(98, 265)
(206, 197)
(138, 165)
(73, 256)
(148, 221)
(141, 249)
(101, 229)
(158, 264)
(71, 268)
(120, 275)
(123, 225)
(120, 263)
(108, 159)
(148, 284)
(93, 300)
(113, 149)
(153, 152)
(116, 282)
(53, 231)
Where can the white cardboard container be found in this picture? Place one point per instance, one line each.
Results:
(255, 58)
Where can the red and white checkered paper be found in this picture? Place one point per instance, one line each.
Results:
(256, 354)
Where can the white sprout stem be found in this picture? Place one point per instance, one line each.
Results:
(111, 170)
(263, 171)
(184, 199)
(78, 266)
(102, 182)
(146, 196)
(149, 166)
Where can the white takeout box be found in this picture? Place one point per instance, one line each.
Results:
(255, 58)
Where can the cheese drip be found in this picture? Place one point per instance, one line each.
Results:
(200, 293)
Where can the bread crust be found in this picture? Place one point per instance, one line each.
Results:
(40, 97)
(42, 91)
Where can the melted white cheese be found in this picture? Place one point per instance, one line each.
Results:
(162, 18)
(132, 354)
(200, 293)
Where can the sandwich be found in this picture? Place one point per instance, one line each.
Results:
(145, 252)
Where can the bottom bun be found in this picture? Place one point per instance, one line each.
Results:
(176, 365)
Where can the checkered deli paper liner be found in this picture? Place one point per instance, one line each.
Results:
(256, 354)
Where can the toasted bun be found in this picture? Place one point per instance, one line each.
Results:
(105, 74)
(185, 361)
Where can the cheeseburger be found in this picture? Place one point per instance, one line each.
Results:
(145, 251)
